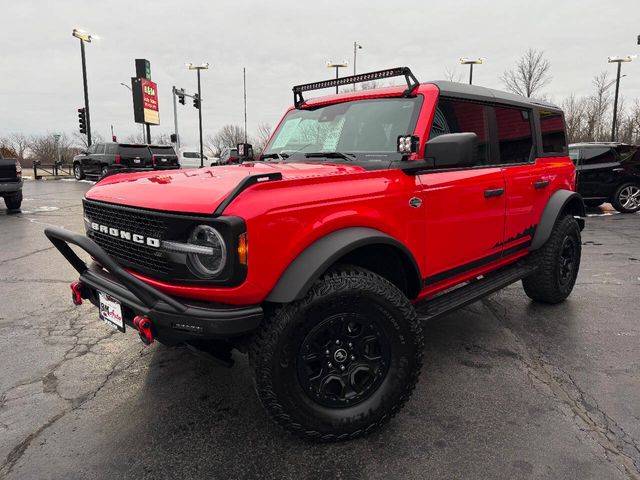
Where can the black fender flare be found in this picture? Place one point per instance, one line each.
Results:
(313, 261)
(561, 201)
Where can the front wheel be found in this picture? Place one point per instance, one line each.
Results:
(104, 171)
(78, 172)
(342, 361)
(627, 198)
(557, 262)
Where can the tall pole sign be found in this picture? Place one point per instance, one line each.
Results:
(145, 97)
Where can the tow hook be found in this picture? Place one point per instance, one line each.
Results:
(145, 329)
(76, 293)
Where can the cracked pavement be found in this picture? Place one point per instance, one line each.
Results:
(510, 389)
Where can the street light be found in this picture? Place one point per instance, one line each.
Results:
(85, 37)
(356, 47)
(202, 66)
(471, 63)
(619, 61)
(337, 66)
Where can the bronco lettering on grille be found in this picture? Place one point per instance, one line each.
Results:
(124, 235)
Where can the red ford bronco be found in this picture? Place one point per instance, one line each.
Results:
(368, 213)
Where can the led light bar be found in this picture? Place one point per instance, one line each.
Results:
(408, 143)
(412, 82)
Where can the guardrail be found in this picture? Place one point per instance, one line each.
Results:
(55, 169)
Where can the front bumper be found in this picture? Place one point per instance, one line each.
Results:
(10, 187)
(174, 321)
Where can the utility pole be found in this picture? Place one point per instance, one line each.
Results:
(619, 61)
(244, 81)
(203, 66)
(84, 37)
(471, 63)
(356, 47)
(337, 66)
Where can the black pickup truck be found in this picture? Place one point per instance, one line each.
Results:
(11, 182)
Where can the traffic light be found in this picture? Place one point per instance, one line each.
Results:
(196, 101)
(82, 120)
(181, 98)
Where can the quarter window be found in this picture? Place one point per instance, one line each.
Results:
(595, 156)
(515, 139)
(458, 116)
(100, 148)
(552, 130)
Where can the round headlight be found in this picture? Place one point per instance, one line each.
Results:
(212, 260)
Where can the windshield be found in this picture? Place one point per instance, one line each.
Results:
(359, 128)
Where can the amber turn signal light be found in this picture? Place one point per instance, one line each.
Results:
(243, 249)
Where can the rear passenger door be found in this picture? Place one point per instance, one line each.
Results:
(596, 172)
(464, 207)
(526, 183)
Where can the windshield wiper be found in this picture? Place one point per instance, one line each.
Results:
(344, 156)
(279, 156)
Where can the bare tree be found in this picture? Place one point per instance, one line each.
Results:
(227, 137)
(80, 139)
(20, 143)
(530, 74)
(137, 137)
(452, 75)
(574, 115)
(597, 126)
(46, 149)
(6, 149)
(262, 135)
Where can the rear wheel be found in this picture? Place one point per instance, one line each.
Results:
(78, 172)
(14, 201)
(593, 203)
(627, 198)
(341, 362)
(557, 262)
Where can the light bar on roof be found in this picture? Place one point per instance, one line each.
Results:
(412, 82)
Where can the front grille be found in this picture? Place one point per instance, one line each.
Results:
(135, 221)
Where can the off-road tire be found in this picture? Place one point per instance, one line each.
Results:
(14, 201)
(78, 171)
(593, 203)
(275, 348)
(546, 284)
(617, 203)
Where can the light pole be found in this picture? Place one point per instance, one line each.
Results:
(619, 61)
(85, 37)
(471, 63)
(356, 47)
(129, 88)
(197, 68)
(337, 66)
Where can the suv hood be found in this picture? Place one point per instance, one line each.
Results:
(199, 190)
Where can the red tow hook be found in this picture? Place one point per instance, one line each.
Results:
(145, 329)
(76, 293)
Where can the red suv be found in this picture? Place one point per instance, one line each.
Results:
(370, 212)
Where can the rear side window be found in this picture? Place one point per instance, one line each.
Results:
(168, 150)
(100, 148)
(515, 138)
(112, 149)
(595, 156)
(458, 116)
(141, 151)
(552, 130)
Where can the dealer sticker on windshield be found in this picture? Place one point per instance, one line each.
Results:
(111, 311)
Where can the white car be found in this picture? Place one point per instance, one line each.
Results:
(191, 159)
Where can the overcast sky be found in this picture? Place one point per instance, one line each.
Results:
(282, 43)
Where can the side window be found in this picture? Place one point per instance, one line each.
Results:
(458, 116)
(92, 149)
(595, 156)
(574, 155)
(515, 138)
(112, 149)
(100, 148)
(552, 130)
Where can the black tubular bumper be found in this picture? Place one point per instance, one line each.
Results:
(174, 320)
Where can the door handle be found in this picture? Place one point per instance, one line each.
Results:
(493, 192)
(541, 184)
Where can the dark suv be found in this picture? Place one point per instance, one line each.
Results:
(608, 172)
(164, 157)
(101, 159)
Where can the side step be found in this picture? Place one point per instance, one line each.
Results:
(475, 290)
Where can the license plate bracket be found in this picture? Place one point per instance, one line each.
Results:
(110, 311)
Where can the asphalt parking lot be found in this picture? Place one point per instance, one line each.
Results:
(510, 389)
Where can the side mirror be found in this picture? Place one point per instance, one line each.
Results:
(245, 151)
(452, 150)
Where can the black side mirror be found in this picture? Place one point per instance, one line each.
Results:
(452, 150)
(245, 151)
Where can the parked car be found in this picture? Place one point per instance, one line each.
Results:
(608, 172)
(191, 159)
(101, 159)
(229, 157)
(11, 182)
(164, 157)
(322, 260)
